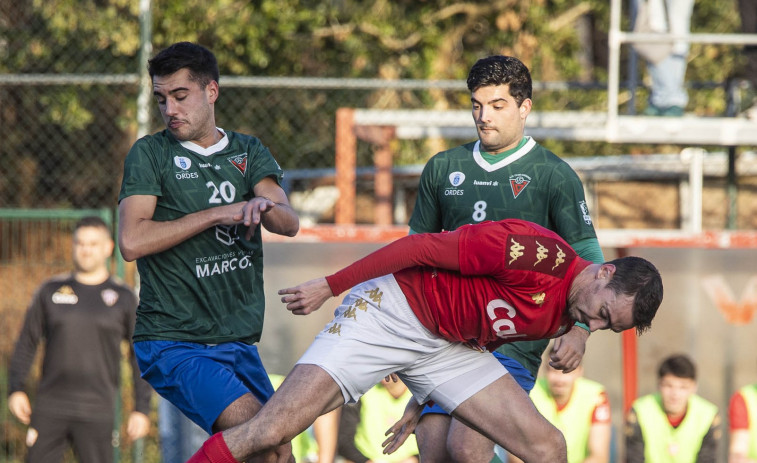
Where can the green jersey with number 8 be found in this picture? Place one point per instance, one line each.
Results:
(209, 288)
(461, 186)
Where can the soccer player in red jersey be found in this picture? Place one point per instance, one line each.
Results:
(429, 307)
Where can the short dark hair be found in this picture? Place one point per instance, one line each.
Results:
(501, 70)
(679, 365)
(201, 62)
(91, 221)
(637, 277)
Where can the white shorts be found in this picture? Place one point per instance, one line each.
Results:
(375, 333)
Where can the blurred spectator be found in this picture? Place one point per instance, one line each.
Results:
(666, 63)
(675, 424)
(363, 424)
(743, 425)
(579, 408)
(180, 437)
(82, 317)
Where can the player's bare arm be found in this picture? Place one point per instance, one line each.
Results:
(306, 297)
(568, 349)
(276, 214)
(139, 235)
(739, 447)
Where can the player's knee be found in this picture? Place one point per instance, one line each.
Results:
(551, 447)
(461, 453)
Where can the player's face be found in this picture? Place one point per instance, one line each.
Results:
(500, 122)
(675, 393)
(599, 307)
(91, 248)
(187, 109)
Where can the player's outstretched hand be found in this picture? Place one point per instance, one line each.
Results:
(403, 428)
(568, 350)
(306, 297)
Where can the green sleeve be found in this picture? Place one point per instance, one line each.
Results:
(589, 249)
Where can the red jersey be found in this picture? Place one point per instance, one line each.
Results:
(486, 284)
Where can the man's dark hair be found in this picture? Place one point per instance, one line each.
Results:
(91, 221)
(637, 277)
(200, 62)
(679, 365)
(501, 70)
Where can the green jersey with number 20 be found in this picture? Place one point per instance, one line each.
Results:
(209, 288)
(459, 186)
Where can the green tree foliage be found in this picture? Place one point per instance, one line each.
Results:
(560, 40)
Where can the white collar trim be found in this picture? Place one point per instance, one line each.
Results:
(212, 149)
(479, 158)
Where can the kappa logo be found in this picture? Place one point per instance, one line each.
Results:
(240, 162)
(518, 183)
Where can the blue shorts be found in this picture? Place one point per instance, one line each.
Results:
(202, 380)
(520, 374)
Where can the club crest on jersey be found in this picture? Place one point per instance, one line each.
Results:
(182, 162)
(456, 178)
(240, 162)
(518, 183)
(109, 297)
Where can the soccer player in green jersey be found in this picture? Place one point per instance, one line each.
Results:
(503, 174)
(191, 205)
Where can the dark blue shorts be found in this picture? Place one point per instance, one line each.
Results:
(520, 374)
(202, 380)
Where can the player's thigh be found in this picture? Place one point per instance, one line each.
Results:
(466, 445)
(503, 412)
(92, 441)
(46, 439)
(307, 392)
(431, 436)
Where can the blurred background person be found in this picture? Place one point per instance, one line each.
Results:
(579, 408)
(742, 413)
(363, 424)
(666, 61)
(82, 317)
(180, 437)
(674, 424)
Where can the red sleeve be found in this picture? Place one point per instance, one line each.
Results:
(737, 413)
(438, 250)
(601, 410)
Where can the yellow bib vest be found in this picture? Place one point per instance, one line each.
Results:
(665, 444)
(379, 410)
(574, 420)
(749, 393)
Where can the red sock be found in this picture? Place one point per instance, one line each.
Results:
(214, 450)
